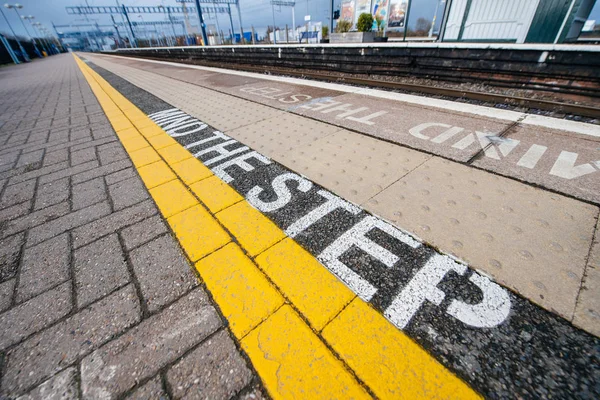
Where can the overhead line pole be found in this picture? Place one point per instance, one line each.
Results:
(134, 42)
(202, 26)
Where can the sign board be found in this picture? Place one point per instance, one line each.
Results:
(307, 18)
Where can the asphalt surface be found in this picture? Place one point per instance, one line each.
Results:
(529, 354)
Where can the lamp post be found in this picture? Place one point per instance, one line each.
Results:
(23, 52)
(44, 35)
(30, 18)
(16, 7)
(168, 10)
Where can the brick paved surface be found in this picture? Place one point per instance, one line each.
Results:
(96, 298)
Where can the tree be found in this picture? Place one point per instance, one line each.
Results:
(422, 26)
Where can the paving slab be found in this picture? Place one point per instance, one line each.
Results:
(153, 389)
(62, 386)
(214, 370)
(44, 266)
(159, 340)
(424, 128)
(49, 351)
(532, 241)
(277, 94)
(562, 161)
(354, 166)
(277, 137)
(33, 315)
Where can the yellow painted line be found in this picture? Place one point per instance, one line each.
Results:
(284, 346)
(317, 294)
(191, 171)
(307, 335)
(252, 229)
(411, 374)
(198, 232)
(242, 291)
(216, 194)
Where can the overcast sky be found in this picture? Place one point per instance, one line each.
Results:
(254, 12)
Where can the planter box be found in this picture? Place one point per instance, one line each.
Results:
(352, 37)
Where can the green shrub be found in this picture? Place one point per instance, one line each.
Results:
(343, 26)
(324, 32)
(365, 22)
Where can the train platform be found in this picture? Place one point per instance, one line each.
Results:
(193, 232)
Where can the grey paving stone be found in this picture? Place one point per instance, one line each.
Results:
(6, 293)
(58, 134)
(69, 171)
(52, 193)
(9, 158)
(214, 370)
(54, 157)
(25, 176)
(111, 152)
(79, 127)
(30, 158)
(44, 266)
(128, 192)
(143, 231)
(162, 271)
(85, 143)
(112, 223)
(10, 248)
(35, 218)
(18, 193)
(154, 343)
(105, 131)
(101, 171)
(67, 222)
(47, 352)
(82, 156)
(35, 314)
(151, 390)
(88, 193)
(100, 268)
(62, 386)
(254, 392)
(120, 176)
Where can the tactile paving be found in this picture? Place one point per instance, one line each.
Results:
(354, 166)
(530, 240)
(563, 161)
(398, 120)
(276, 137)
(222, 111)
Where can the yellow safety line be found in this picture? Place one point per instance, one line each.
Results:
(307, 334)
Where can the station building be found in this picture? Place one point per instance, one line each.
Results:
(497, 21)
(515, 21)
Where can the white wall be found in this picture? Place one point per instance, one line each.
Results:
(491, 20)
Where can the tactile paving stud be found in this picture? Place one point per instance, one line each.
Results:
(530, 240)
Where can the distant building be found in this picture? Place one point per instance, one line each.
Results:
(514, 21)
